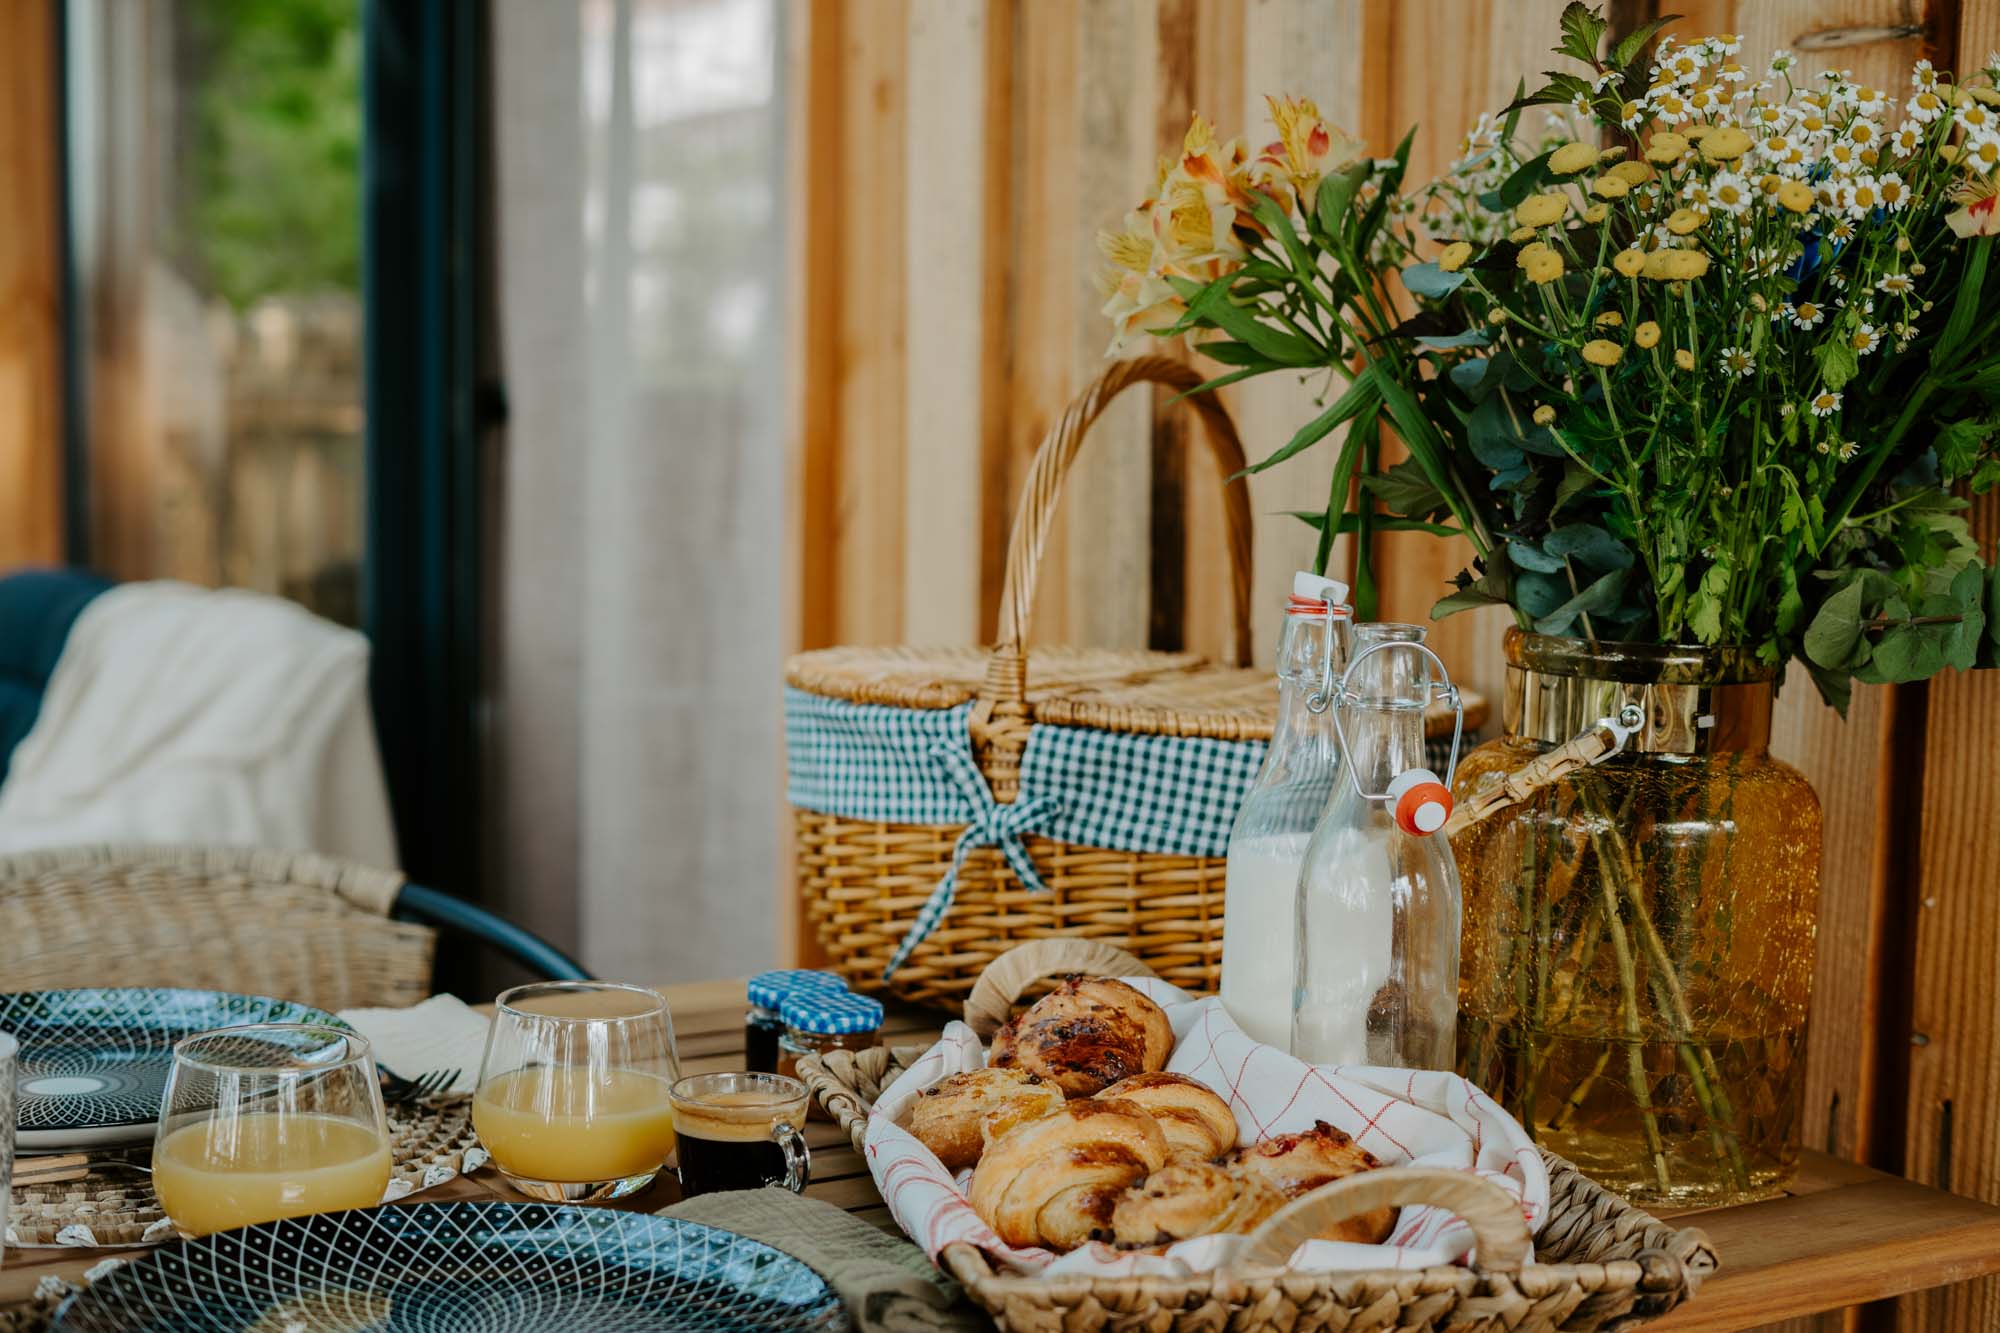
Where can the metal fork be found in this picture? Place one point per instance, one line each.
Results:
(396, 1088)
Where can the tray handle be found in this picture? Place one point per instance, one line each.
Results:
(1498, 1229)
(1007, 667)
(992, 996)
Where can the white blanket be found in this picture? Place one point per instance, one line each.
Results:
(189, 715)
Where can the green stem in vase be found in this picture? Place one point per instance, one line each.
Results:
(1628, 986)
(1574, 1102)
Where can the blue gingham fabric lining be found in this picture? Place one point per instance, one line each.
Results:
(1164, 794)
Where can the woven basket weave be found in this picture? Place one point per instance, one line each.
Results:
(286, 924)
(863, 882)
(1601, 1264)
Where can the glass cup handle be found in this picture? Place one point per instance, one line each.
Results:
(798, 1161)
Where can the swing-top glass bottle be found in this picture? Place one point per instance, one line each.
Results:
(1378, 893)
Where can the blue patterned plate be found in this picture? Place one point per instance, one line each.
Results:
(459, 1268)
(95, 1062)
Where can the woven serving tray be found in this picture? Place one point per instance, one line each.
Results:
(1601, 1263)
(114, 1206)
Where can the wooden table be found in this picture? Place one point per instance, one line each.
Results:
(1843, 1234)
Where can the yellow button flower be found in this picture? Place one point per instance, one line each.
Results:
(1795, 196)
(1675, 265)
(1572, 158)
(1452, 258)
(1683, 220)
(1541, 210)
(1610, 187)
(1725, 144)
(1647, 334)
(1684, 359)
(1666, 146)
(1602, 353)
(1632, 173)
(1610, 319)
(1696, 132)
(1544, 415)
(1496, 316)
(1596, 213)
(1629, 262)
(1540, 263)
(1520, 234)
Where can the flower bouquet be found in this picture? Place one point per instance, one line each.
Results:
(1701, 374)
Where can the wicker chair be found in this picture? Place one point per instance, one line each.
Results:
(287, 924)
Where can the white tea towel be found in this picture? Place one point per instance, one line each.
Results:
(443, 1032)
(1404, 1117)
(194, 715)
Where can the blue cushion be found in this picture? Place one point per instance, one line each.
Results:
(37, 608)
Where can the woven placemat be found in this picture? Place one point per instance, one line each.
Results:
(114, 1205)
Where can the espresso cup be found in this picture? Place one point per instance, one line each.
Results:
(740, 1132)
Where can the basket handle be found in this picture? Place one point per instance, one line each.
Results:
(993, 994)
(1006, 668)
(1494, 1215)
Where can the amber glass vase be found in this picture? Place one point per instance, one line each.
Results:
(1638, 948)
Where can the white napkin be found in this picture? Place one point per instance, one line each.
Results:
(443, 1032)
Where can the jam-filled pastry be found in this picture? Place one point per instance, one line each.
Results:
(1055, 1180)
(1085, 1035)
(954, 1117)
(1296, 1164)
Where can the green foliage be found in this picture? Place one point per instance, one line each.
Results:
(272, 178)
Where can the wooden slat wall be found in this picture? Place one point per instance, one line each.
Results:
(30, 291)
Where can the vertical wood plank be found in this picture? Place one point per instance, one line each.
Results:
(869, 539)
(30, 287)
(944, 277)
(999, 477)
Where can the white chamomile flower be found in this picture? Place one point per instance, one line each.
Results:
(1981, 152)
(1705, 100)
(1976, 117)
(1835, 278)
(1729, 193)
(1869, 102)
(1783, 61)
(1728, 71)
(1824, 403)
(1865, 339)
(1845, 157)
(1896, 284)
(1735, 361)
(1580, 104)
(1807, 314)
(1895, 191)
(1860, 197)
(1786, 409)
(1923, 75)
(1848, 448)
(1863, 133)
(1767, 116)
(1605, 80)
(1669, 103)
(1906, 141)
(1925, 106)
(1684, 65)
(1631, 115)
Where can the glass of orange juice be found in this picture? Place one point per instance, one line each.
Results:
(269, 1120)
(573, 1099)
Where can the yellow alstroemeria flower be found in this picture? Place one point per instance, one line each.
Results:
(1600, 352)
(1611, 187)
(1452, 258)
(1647, 334)
(1307, 147)
(1541, 210)
(1725, 144)
(1629, 262)
(1666, 147)
(1632, 173)
(1572, 158)
(1683, 221)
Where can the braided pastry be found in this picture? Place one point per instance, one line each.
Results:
(1296, 1164)
(1187, 1198)
(1055, 1180)
(1085, 1035)
(955, 1117)
(1192, 1117)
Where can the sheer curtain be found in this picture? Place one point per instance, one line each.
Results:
(638, 154)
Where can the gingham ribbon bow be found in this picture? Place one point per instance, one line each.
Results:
(992, 825)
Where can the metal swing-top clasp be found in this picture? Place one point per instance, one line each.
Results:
(1419, 800)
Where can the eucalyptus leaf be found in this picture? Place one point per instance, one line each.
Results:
(1470, 338)
(1428, 280)
(1524, 181)
(1600, 595)
(1465, 599)
(1539, 594)
(1491, 435)
(1589, 545)
(1576, 479)
(1526, 555)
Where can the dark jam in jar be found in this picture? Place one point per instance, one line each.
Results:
(763, 1023)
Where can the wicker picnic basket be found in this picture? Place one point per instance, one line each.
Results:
(867, 881)
(1600, 1263)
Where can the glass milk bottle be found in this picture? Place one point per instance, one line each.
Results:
(1378, 896)
(1275, 822)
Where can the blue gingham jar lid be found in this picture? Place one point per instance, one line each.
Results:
(830, 1015)
(770, 990)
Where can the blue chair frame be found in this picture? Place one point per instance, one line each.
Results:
(437, 909)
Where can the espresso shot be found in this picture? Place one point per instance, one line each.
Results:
(740, 1132)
